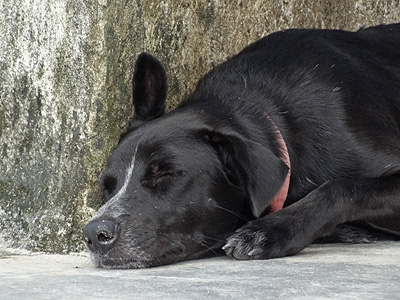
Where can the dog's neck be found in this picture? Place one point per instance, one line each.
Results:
(281, 196)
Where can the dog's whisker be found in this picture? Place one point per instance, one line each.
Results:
(209, 248)
(214, 239)
(240, 216)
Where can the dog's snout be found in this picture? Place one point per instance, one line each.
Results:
(100, 235)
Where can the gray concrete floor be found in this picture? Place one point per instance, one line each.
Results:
(335, 271)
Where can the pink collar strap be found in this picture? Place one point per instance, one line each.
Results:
(281, 196)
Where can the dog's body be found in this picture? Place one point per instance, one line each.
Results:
(307, 116)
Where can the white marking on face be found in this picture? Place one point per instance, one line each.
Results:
(122, 190)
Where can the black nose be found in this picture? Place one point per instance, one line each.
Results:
(100, 235)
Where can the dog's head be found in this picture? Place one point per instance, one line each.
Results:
(178, 184)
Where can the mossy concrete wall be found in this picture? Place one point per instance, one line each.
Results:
(65, 72)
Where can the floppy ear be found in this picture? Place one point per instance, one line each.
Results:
(251, 165)
(149, 86)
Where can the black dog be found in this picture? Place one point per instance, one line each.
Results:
(304, 119)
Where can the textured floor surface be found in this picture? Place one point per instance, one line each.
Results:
(334, 271)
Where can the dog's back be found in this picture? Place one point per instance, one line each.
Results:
(328, 89)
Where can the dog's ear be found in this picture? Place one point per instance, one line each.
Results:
(252, 166)
(149, 87)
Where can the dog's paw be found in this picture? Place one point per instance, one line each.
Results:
(260, 240)
(246, 245)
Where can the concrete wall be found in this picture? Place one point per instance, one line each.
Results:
(65, 71)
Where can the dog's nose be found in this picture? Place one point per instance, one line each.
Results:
(100, 235)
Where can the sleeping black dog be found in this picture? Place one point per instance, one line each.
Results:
(294, 139)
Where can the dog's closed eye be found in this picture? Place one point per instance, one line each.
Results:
(159, 176)
(163, 177)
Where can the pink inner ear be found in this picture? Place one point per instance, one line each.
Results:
(149, 83)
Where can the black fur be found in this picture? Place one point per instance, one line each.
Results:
(182, 185)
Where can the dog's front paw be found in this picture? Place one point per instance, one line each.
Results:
(246, 245)
(260, 240)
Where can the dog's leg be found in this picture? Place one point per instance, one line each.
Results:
(288, 231)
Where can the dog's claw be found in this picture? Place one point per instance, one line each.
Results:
(233, 249)
(229, 247)
(255, 252)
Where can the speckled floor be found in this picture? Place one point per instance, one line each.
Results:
(334, 271)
